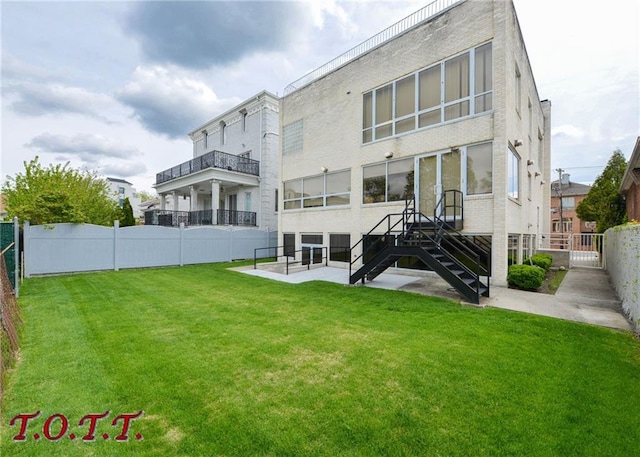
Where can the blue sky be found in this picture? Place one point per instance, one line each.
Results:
(116, 86)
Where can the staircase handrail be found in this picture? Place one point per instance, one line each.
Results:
(410, 201)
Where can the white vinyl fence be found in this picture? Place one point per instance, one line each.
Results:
(68, 248)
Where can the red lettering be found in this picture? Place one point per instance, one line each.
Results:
(93, 418)
(23, 425)
(47, 431)
(126, 418)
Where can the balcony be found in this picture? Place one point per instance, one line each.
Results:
(168, 218)
(213, 159)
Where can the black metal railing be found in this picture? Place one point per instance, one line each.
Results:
(213, 159)
(169, 218)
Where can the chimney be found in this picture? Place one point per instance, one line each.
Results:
(565, 179)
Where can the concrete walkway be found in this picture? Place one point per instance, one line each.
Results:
(585, 295)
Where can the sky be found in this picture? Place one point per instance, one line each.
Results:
(114, 87)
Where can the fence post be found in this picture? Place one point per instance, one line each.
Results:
(27, 248)
(181, 253)
(116, 226)
(16, 255)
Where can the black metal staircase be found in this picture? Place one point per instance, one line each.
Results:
(459, 259)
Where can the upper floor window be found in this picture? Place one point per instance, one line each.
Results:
(448, 90)
(244, 115)
(121, 190)
(568, 202)
(223, 133)
(329, 189)
(388, 181)
(513, 175)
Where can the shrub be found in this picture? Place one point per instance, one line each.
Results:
(543, 261)
(525, 277)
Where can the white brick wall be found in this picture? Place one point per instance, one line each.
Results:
(331, 110)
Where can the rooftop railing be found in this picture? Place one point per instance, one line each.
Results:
(431, 10)
(213, 159)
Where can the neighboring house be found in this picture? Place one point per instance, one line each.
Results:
(122, 189)
(630, 186)
(233, 176)
(155, 203)
(565, 223)
(443, 103)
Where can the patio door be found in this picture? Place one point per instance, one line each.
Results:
(436, 173)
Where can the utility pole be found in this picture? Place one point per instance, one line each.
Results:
(559, 192)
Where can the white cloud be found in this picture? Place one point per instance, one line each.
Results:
(87, 147)
(568, 130)
(171, 102)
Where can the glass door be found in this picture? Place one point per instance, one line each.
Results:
(437, 173)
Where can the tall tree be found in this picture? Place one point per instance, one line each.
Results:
(127, 219)
(603, 204)
(58, 193)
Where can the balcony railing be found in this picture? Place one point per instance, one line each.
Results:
(213, 159)
(204, 217)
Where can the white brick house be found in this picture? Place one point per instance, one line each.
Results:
(233, 176)
(444, 100)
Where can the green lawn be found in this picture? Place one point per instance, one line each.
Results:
(223, 363)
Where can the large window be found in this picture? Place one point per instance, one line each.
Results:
(448, 90)
(568, 202)
(480, 169)
(388, 182)
(329, 189)
(513, 175)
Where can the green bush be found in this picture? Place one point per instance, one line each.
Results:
(525, 277)
(543, 261)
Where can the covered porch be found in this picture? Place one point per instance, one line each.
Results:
(213, 189)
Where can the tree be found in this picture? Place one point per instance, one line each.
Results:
(603, 204)
(127, 219)
(59, 193)
(146, 196)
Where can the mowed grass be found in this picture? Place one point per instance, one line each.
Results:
(223, 363)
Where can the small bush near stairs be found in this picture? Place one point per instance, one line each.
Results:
(527, 277)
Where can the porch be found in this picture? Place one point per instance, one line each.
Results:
(169, 218)
(213, 159)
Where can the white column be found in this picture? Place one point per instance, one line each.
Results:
(163, 201)
(194, 198)
(215, 195)
(175, 196)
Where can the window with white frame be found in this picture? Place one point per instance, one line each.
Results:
(568, 202)
(388, 181)
(448, 90)
(243, 114)
(223, 133)
(513, 174)
(480, 169)
(329, 189)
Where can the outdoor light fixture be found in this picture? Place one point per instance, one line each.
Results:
(530, 162)
(324, 169)
(388, 155)
(542, 182)
(517, 143)
(537, 174)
